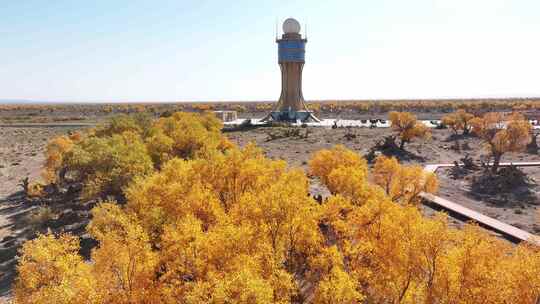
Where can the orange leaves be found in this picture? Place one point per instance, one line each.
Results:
(403, 183)
(343, 172)
(407, 127)
(184, 135)
(325, 161)
(514, 137)
(285, 217)
(337, 287)
(124, 262)
(398, 256)
(118, 125)
(51, 268)
(227, 215)
(55, 153)
(231, 226)
(106, 165)
(488, 125)
(108, 158)
(502, 134)
(523, 269)
(170, 195)
(458, 121)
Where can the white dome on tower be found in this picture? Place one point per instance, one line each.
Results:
(291, 26)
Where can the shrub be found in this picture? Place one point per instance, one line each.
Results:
(502, 134)
(325, 161)
(407, 127)
(119, 124)
(108, 158)
(184, 135)
(55, 153)
(108, 164)
(458, 121)
(50, 269)
(403, 183)
(235, 227)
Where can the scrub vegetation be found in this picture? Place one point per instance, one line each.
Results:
(186, 216)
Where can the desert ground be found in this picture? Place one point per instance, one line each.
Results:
(22, 148)
(21, 156)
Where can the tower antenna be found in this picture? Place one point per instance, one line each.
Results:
(276, 29)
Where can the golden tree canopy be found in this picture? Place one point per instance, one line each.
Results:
(325, 161)
(55, 152)
(403, 183)
(502, 133)
(232, 226)
(407, 127)
(458, 121)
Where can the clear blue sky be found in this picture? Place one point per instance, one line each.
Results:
(107, 50)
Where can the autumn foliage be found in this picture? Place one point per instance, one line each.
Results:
(403, 183)
(106, 159)
(56, 149)
(502, 134)
(213, 225)
(50, 269)
(459, 120)
(407, 127)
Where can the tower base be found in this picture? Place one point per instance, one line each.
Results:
(291, 116)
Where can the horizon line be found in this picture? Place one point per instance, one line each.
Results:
(32, 101)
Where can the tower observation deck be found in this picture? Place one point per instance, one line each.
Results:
(291, 58)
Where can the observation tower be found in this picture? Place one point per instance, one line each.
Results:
(291, 106)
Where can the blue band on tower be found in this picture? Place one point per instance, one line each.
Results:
(291, 50)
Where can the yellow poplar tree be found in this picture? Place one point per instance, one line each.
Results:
(231, 226)
(323, 162)
(458, 121)
(407, 127)
(52, 271)
(55, 153)
(184, 135)
(124, 261)
(403, 183)
(337, 287)
(502, 134)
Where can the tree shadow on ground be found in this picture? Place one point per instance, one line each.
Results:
(388, 147)
(458, 137)
(508, 187)
(460, 142)
(25, 219)
(13, 209)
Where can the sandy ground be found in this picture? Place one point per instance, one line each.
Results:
(21, 155)
(297, 151)
(514, 207)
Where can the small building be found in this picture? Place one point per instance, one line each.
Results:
(226, 116)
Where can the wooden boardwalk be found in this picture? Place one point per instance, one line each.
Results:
(489, 222)
(434, 167)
